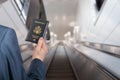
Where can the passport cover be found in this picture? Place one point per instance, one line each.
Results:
(37, 30)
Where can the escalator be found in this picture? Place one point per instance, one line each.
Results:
(60, 58)
(60, 68)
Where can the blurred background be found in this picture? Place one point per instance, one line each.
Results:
(94, 24)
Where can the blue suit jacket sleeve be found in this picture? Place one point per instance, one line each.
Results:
(11, 67)
(37, 70)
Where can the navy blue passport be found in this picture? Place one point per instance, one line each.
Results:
(37, 30)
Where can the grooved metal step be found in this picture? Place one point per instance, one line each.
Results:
(60, 68)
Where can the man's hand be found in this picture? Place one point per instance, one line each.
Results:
(40, 50)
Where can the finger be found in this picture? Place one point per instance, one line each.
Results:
(44, 44)
(40, 39)
(40, 43)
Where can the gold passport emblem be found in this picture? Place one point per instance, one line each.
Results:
(37, 30)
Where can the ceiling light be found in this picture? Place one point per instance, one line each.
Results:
(51, 33)
(64, 18)
(55, 35)
(72, 24)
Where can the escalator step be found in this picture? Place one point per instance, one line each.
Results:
(61, 78)
(60, 71)
(60, 75)
(60, 68)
